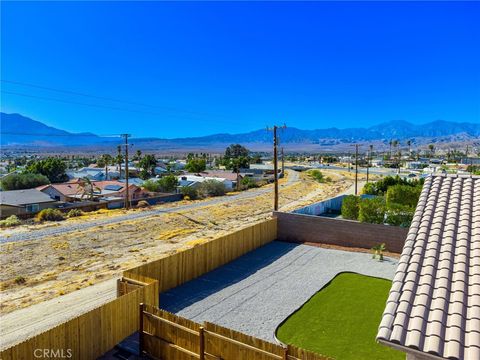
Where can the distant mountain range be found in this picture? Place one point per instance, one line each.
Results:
(18, 130)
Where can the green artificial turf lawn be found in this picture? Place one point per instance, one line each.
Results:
(341, 320)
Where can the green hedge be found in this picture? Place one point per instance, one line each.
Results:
(350, 207)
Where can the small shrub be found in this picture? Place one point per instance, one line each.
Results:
(10, 221)
(248, 183)
(372, 210)
(317, 175)
(378, 251)
(19, 280)
(74, 213)
(212, 188)
(350, 207)
(143, 204)
(50, 215)
(189, 193)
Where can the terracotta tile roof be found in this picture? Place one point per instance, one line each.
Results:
(68, 188)
(434, 302)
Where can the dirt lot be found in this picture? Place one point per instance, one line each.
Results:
(37, 270)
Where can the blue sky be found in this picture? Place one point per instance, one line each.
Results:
(188, 69)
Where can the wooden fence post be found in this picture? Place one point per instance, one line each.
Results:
(141, 345)
(285, 353)
(201, 333)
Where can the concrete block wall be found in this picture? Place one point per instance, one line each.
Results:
(316, 229)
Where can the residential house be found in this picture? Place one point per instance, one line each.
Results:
(433, 308)
(22, 202)
(77, 190)
(194, 181)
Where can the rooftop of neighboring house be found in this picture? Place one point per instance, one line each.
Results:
(434, 303)
(74, 188)
(197, 178)
(23, 197)
(226, 174)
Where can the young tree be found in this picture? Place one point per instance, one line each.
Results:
(236, 156)
(53, 168)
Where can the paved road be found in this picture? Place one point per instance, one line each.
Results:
(256, 292)
(293, 176)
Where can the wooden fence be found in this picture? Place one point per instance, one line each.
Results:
(167, 336)
(90, 335)
(174, 270)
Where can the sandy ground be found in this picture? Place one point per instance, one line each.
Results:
(34, 271)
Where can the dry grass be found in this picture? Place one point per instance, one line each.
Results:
(60, 264)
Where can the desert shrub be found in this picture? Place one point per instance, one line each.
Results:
(211, 188)
(399, 215)
(10, 221)
(19, 280)
(143, 204)
(74, 213)
(372, 210)
(248, 183)
(350, 207)
(189, 192)
(50, 215)
(317, 175)
(403, 195)
(23, 181)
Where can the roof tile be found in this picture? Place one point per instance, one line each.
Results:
(434, 303)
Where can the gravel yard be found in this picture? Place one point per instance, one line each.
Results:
(256, 292)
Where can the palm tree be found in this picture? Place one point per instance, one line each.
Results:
(88, 188)
(409, 143)
(138, 155)
(431, 147)
(390, 151)
(119, 159)
(105, 161)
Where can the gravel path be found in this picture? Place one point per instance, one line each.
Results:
(256, 292)
(61, 229)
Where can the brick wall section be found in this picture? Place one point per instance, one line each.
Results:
(316, 229)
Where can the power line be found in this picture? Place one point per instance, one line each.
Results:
(80, 103)
(108, 98)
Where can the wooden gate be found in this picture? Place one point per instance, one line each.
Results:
(166, 336)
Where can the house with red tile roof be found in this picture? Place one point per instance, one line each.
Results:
(77, 190)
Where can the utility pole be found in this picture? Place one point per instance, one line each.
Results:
(275, 164)
(369, 160)
(356, 168)
(127, 194)
(283, 162)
